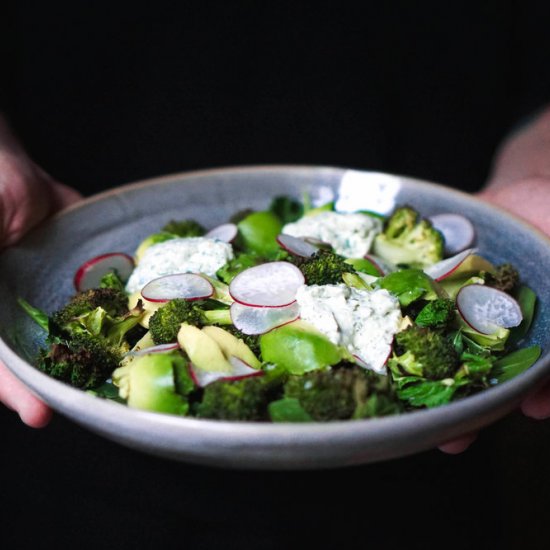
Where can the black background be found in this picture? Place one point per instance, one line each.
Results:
(104, 94)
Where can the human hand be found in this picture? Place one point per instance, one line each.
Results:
(520, 183)
(28, 195)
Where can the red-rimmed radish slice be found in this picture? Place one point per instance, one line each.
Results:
(90, 273)
(486, 309)
(296, 246)
(161, 348)
(458, 231)
(382, 267)
(259, 320)
(225, 232)
(317, 243)
(273, 284)
(187, 286)
(441, 270)
(240, 370)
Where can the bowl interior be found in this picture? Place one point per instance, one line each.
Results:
(41, 268)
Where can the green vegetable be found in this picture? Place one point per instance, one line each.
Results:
(184, 228)
(156, 382)
(364, 266)
(245, 399)
(408, 285)
(112, 280)
(436, 314)
(165, 323)
(424, 352)
(323, 268)
(409, 240)
(239, 263)
(527, 301)
(505, 278)
(288, 409)
(341, 393)
(37, 315)
(514, 363)
(287, 209)
(298, 348)
(258, 233)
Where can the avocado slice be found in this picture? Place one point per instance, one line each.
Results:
(155, 382)
(232, 346)
(203, 351)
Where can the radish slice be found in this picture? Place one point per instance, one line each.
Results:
(487, 309)
(296, 246)
(225, 232)
(161, 348)
(441, 270)
(240, 370)
(90, 273)
(377, 366)
(382, 267)
(187, 286)
(267, 285)
(458, 231)
(317, 243)
(258, 320)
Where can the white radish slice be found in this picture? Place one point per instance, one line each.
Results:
(296, 246)
(240, 370)
(225, 232)
(161, 348)
(90, 273)
(317, 243)
(273, 284)
(187, 286)
(259, 320)
(382, 267)
(441, 270)
(458, 231)
(487, 309)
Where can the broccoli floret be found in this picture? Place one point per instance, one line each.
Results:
(114, 302)
(436, 314)
(505, 278)
(112, 280)
(184, 228)
(409, 240)
(341, 393)
(323, 268)
(238, 400)
(83, 361)
(424, 352)
(166, 321)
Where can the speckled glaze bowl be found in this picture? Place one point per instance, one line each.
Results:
(40, 269)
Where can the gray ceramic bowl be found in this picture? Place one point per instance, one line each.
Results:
(41, 269)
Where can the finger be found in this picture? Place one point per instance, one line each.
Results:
(17, 397)
(537, 405)
(458, 445)
(63, 196)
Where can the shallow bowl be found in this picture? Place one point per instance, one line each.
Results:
(41, 267)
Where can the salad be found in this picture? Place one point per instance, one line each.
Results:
(293, 314)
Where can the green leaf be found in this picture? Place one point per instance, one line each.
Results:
(430, 393)
(527, 300)
(107, 390)
(288, 410)
(514, 363)
(38, 316)
(408, 285)
(286, 209)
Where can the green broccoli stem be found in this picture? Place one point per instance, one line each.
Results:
(218, 317)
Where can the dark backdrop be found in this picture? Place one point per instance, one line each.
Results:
(103, 94)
